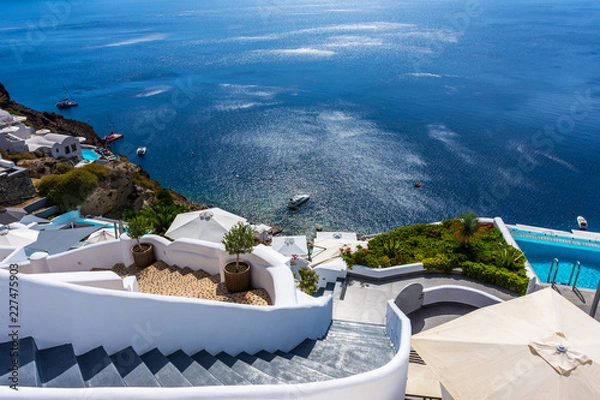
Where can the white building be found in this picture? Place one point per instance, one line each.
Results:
(13, 133)
(55, 144)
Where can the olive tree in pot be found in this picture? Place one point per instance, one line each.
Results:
(239, 240)
(143, 254)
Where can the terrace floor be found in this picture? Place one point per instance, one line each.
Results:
(161, 278)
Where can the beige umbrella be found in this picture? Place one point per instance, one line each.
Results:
(16, 236)
(101, 236)
(538, 346)
(210, 224)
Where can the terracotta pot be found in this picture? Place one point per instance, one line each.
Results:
(144, 257)
(237, 281)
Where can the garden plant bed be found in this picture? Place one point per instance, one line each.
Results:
(160, 278)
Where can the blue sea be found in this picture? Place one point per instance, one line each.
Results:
(492, 106)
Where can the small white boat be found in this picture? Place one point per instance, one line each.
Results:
(297, 200)
(582, 222)
(141, 150)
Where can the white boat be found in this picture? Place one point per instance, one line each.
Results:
(141, 150)
(582, 222)
(297, 200)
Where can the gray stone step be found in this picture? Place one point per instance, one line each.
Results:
(334, 373)
(165, 373)
(192, 371)
(218, 369)
(350, 357)
(284, 368)
(57, 367)
(132, 369)
(356, 339)
(25, 353)
(251, 374)
(98, 370)
(357, 328)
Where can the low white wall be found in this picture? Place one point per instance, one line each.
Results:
(55, 313)
(330, 271)
(385, 383)
(268, 270)
(383, 273)
(458, 294)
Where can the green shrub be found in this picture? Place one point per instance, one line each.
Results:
(69, 190)
(63, 168)
(99, 170)
(441, 262)
(308, 280)
(516, 281)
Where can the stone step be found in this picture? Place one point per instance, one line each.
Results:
(251, 374)
(98, 370)
(24, 352)
(165, 373)
(192, 371)
(361, 328)
(333, 373)
(351, 357)
(132, 369)
(218, 369)
(284, 368)
(57, 367)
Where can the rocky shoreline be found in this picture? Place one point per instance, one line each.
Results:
(128, 186)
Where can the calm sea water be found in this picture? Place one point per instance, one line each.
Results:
(494, 107)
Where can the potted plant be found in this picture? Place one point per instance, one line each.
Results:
(143, 254)
(239, 240)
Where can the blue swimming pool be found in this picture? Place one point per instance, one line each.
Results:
(89, 154)
(540, 249)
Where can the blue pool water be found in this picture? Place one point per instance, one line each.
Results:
(541, 250)
(90, 154)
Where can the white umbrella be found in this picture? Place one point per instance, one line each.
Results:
(101, 236)
(538, 346)
(210, 224)
(18, 237)
(288, 245)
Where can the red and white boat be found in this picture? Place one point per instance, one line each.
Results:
(111, 137)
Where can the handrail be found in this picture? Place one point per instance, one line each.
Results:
(576, 265)
(554, 262)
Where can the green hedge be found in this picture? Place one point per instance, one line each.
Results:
(515, 281)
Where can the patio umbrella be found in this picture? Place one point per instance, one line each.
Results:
(101, 236)
(19, 237)
(288, 245)
(210, 225)
(538, 346)
(8, 215)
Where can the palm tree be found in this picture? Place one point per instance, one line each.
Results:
(469, 224)
(161, 215)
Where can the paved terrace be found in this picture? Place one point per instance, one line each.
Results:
(366, 301)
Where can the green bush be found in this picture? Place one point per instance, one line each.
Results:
(516, 281)
(69, 190)
(63, 168)
(99, 170)
(441, 262)
(441, 247)
(308, 280)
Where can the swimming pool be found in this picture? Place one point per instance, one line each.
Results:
(89, 154)
(540, 249)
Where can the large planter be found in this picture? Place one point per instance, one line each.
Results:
(143, 257)
(237, 281)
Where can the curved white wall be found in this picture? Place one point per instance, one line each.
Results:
(55, 313)
(385, 383)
